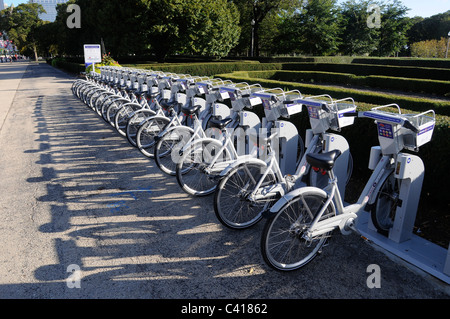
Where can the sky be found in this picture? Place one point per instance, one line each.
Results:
(422, 8)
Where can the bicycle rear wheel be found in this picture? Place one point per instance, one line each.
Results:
(283, 245)
(231, 202)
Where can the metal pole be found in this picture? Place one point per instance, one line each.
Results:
(448, 43)
(252, 47)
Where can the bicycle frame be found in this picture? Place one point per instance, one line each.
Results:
(345, 215)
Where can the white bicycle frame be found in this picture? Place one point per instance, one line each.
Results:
(345, 215)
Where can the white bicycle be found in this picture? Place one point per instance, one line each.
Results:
(300, 223)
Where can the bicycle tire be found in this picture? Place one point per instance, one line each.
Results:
(145, 137)
(113, 108)
(282, 246)
(135, 122)
(168, 147)
(100, 100)
(231, 204)
(190, 172)
(383, 210)
(123, 115)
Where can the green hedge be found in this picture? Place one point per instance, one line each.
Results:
(369, 69)
(70, 67)
(409, 103)
(374, 81)
(415, 62)
(208, 69)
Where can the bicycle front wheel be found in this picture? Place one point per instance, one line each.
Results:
(123, 115)
(146, 134)
(232, 205)
(168, 147)
(191, 171)
(383, 212)
(135, 122)
(283, 244)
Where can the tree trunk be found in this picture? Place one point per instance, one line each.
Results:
(35, 53)
(256, 40)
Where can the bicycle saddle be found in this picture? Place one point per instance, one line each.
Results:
(324, 161)
(168, 105)
(220, 124)
(189, 110)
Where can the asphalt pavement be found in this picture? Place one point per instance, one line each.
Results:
(84, 215)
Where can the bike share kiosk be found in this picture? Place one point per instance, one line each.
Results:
(397, 131)
(278, 105)
(186, 89)
(327, 115)
(248, 121)
(211, 91)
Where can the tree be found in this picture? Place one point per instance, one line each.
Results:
(213, 27)
(205, 27)
(434, 27)
(120, 23)
(253, 13)
(21, 23)
(313, 30)
(162, 27)
(429, 48)
(318, 27)
(357, 37)
(361, 38)
(394, 28)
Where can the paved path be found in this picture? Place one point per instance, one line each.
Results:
(75, 194)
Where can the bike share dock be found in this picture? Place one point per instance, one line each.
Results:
(409, 170)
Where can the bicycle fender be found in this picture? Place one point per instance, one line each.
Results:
(242, 160)
(186, 128)
(131, 103)
(207, 139)
(142, 110)
(291, 196)
(373, 195)
(170, 129)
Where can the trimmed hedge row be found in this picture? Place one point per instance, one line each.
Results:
(212, 68)
(368, 69)
(208, 69)
(70, 67)
(374, 81)
(415, 62)
(405, 102)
